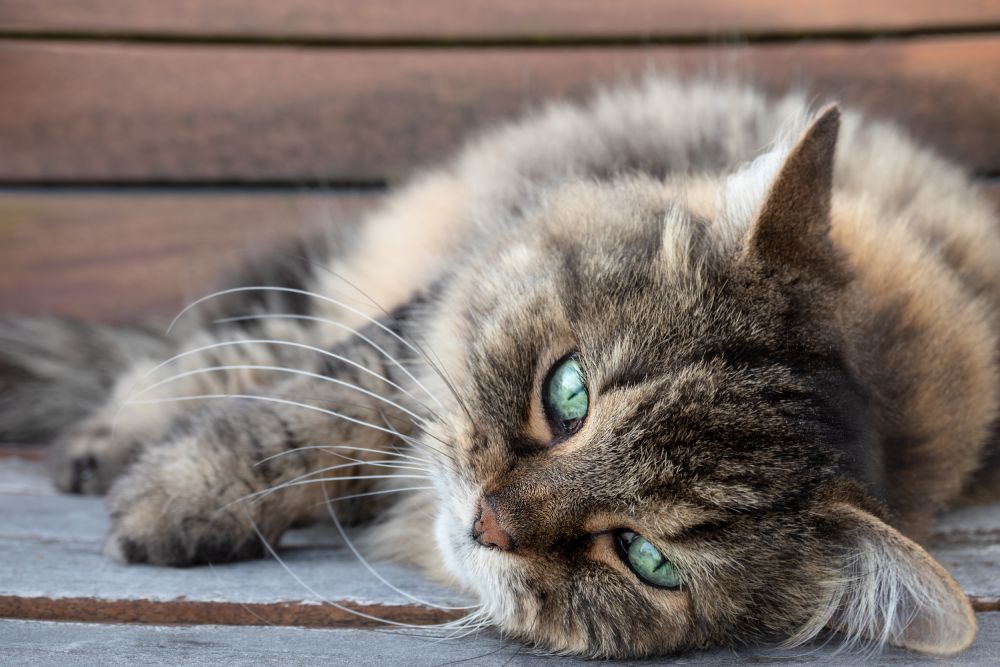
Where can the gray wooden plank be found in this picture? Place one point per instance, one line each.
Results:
(48, 540)
(967, 542)
(46, 643)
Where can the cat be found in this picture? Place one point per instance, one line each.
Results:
(679, 366)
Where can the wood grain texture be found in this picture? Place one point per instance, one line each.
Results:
(472, 19)
(49, 539)
(111, 257)
(171, 113)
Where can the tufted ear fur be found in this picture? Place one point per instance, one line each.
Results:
(890, 590)
(789, 235)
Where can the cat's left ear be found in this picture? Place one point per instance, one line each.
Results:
(789, 236)
(890, 590)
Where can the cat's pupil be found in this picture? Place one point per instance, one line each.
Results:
(566, 395)
(647, 562)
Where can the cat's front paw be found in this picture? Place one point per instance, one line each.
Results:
(87, 458)
(176, 507)
(90, 455)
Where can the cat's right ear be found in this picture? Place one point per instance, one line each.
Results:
(890, 590)
(789, 236)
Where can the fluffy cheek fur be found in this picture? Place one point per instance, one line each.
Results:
(586, 602)
(585, 605)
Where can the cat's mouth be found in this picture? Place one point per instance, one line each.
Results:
(485, 570)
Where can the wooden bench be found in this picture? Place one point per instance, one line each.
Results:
(144, 147)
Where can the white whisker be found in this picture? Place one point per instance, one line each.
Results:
(348, 447)
(271, 399)
(413, 442)
(292, 290)
(303, 482)
(393, 465)
(280, 369)
(435, 363)
(343, 327)
(377, 493)
(360, 614)
(297, 481)
(367, 565)
(252, 397)
(287, 343)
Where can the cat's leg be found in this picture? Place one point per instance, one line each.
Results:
(147, 400)
(206, 494)
(91, 453)
(397, 252)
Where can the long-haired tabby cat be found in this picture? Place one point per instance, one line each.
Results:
(678, 367)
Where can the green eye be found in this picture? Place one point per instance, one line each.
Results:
(647, 561)
(565, 396)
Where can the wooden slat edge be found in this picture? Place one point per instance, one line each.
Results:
(984, 605)
(538, 20)
(346, 613)
(37, 453)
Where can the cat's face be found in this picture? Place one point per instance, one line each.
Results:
(651, 431)
(689, 433)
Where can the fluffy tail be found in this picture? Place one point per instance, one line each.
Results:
(54, 372)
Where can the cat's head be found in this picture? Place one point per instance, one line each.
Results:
(659, 409)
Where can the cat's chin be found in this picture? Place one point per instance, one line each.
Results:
(488, 574)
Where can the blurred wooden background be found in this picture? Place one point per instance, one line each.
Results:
(145, 145)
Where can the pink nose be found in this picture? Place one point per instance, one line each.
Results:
(487, 529)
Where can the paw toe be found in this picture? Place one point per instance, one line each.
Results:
(181, 550)
(84, 463)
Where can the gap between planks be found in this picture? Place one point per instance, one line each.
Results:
(340, 614)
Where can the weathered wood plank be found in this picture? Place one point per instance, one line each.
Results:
(54, 570)
(486, 19)
(111, 257)
(167, 113)
(66, 644)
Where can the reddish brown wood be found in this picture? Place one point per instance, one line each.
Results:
(86, 112)
(187, 612)
(35, 452)
(104, 257)
(486, 19)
